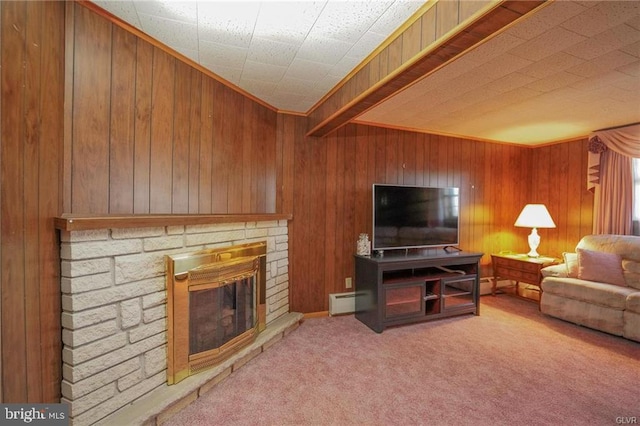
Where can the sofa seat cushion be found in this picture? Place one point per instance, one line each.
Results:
(633, 302)
(609, 295)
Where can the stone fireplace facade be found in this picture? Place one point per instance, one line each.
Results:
(114, 303)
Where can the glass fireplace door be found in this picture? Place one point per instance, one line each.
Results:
(220, 314)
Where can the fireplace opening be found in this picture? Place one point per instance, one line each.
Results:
(215, 306)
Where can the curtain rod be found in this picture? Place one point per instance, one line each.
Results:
(616, 127)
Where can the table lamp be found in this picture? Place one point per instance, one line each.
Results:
(534, 216)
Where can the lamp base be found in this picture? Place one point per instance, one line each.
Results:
(534, 242)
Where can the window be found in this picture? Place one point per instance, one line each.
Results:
(636, 196)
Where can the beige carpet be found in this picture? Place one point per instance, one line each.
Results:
(510, 365)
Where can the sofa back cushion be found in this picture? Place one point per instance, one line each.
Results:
(626, 246)
(600, 267)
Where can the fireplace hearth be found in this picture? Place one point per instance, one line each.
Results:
(215, 306)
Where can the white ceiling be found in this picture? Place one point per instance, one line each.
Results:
(286, 53)
(568, 69)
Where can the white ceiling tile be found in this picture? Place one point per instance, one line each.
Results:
(177, 34)
(588, 85)
(347, 20)
(497, 46)
(365, 45)
(627, 82)
(125, 10)
(301, 67)
(551, 65)
(230, 74)
(300, 17)
(186, 11)
(223, 54)
(603, 64)
(395, 16)
(271, 52)
(601, 17)
(227, 22)
(509, 82)
(344, 66)
(632, 49)
(546, 18)
(548, 43)
(259, 88)
(632, 69)
(501, 65)
(320, 49)
(555, 81)
(604, 42)
(261, 71)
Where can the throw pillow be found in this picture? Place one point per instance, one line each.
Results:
(600, 267)
(571, 262)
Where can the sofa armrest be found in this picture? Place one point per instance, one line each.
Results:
(559, 270)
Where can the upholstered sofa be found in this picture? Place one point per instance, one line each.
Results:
(598, 286)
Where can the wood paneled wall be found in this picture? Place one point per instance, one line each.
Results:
(151, 134)
(332, 196)
(31, 131)
(559, 180)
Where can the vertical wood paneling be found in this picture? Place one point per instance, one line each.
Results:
(267, 181)
(181, 139)
(219, 150)
(91, 113)
(142, 143)
(31, 135)
(249, 136)
(160, 136)
(206, 145)
(234, 143)
(50, 197)
(494, 180)
(161, 150)
(12, 181)
(32, 93)
(194, 139)
(121, 144)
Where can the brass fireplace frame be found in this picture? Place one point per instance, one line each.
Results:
(202, 270)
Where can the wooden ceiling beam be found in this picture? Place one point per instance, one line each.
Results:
(343, 105)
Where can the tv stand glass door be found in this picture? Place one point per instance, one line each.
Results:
(400, 289)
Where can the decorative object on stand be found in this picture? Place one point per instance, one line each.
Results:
(364, 245)
(534, 216)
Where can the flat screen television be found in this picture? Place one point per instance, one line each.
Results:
(409, 217)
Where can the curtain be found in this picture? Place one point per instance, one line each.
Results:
(610, 176)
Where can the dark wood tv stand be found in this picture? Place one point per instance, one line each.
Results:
(405, 288)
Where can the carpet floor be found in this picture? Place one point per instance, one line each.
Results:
(510, 365)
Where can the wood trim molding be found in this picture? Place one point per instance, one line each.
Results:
(79, 222)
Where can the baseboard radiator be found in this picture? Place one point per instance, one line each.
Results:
(342, 303)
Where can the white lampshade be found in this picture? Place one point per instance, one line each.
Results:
(534, 216)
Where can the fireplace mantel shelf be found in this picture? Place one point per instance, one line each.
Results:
(82, 222)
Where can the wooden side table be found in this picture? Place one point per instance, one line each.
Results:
(519, 268)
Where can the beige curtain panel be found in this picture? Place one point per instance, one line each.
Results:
(610, 176)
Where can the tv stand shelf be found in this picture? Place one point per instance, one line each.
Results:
(406, 288)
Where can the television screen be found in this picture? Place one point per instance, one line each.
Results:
(406, 217)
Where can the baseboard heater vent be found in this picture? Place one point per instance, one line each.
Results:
(342, 303)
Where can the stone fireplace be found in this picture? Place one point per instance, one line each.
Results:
(215, 305)
(116, 308)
